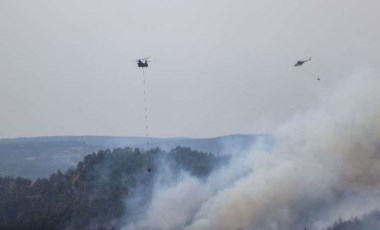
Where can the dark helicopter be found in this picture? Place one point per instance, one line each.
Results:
(143, 62)
(301, 62)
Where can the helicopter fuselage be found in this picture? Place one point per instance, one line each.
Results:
(299, 63)
(142, 64)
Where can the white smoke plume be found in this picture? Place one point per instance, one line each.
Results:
(325, 165)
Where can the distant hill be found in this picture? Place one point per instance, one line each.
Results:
(41, 156)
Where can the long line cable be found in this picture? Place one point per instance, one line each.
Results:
(315, 76)
(146, 110)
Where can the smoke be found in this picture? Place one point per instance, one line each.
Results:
(325, 165)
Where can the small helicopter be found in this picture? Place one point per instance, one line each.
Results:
(143, 62)
(301, 62)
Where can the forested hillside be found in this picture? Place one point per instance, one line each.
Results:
(41, 156)
(100, 193)
(368, 222)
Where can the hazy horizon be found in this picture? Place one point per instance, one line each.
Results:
(153, 137)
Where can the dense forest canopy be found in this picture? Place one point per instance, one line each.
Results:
(368, 222)
(97, 193)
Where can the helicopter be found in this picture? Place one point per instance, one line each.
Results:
(143, 62)
(301, 62)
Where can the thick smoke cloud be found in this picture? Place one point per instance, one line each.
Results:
(325, 165)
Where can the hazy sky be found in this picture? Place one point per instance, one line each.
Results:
(219, 66)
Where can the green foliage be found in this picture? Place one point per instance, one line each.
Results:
(95, 193)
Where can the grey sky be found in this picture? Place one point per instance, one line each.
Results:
(218, 67)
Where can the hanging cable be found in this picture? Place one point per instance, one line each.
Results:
(146, 110)
(315, 76)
